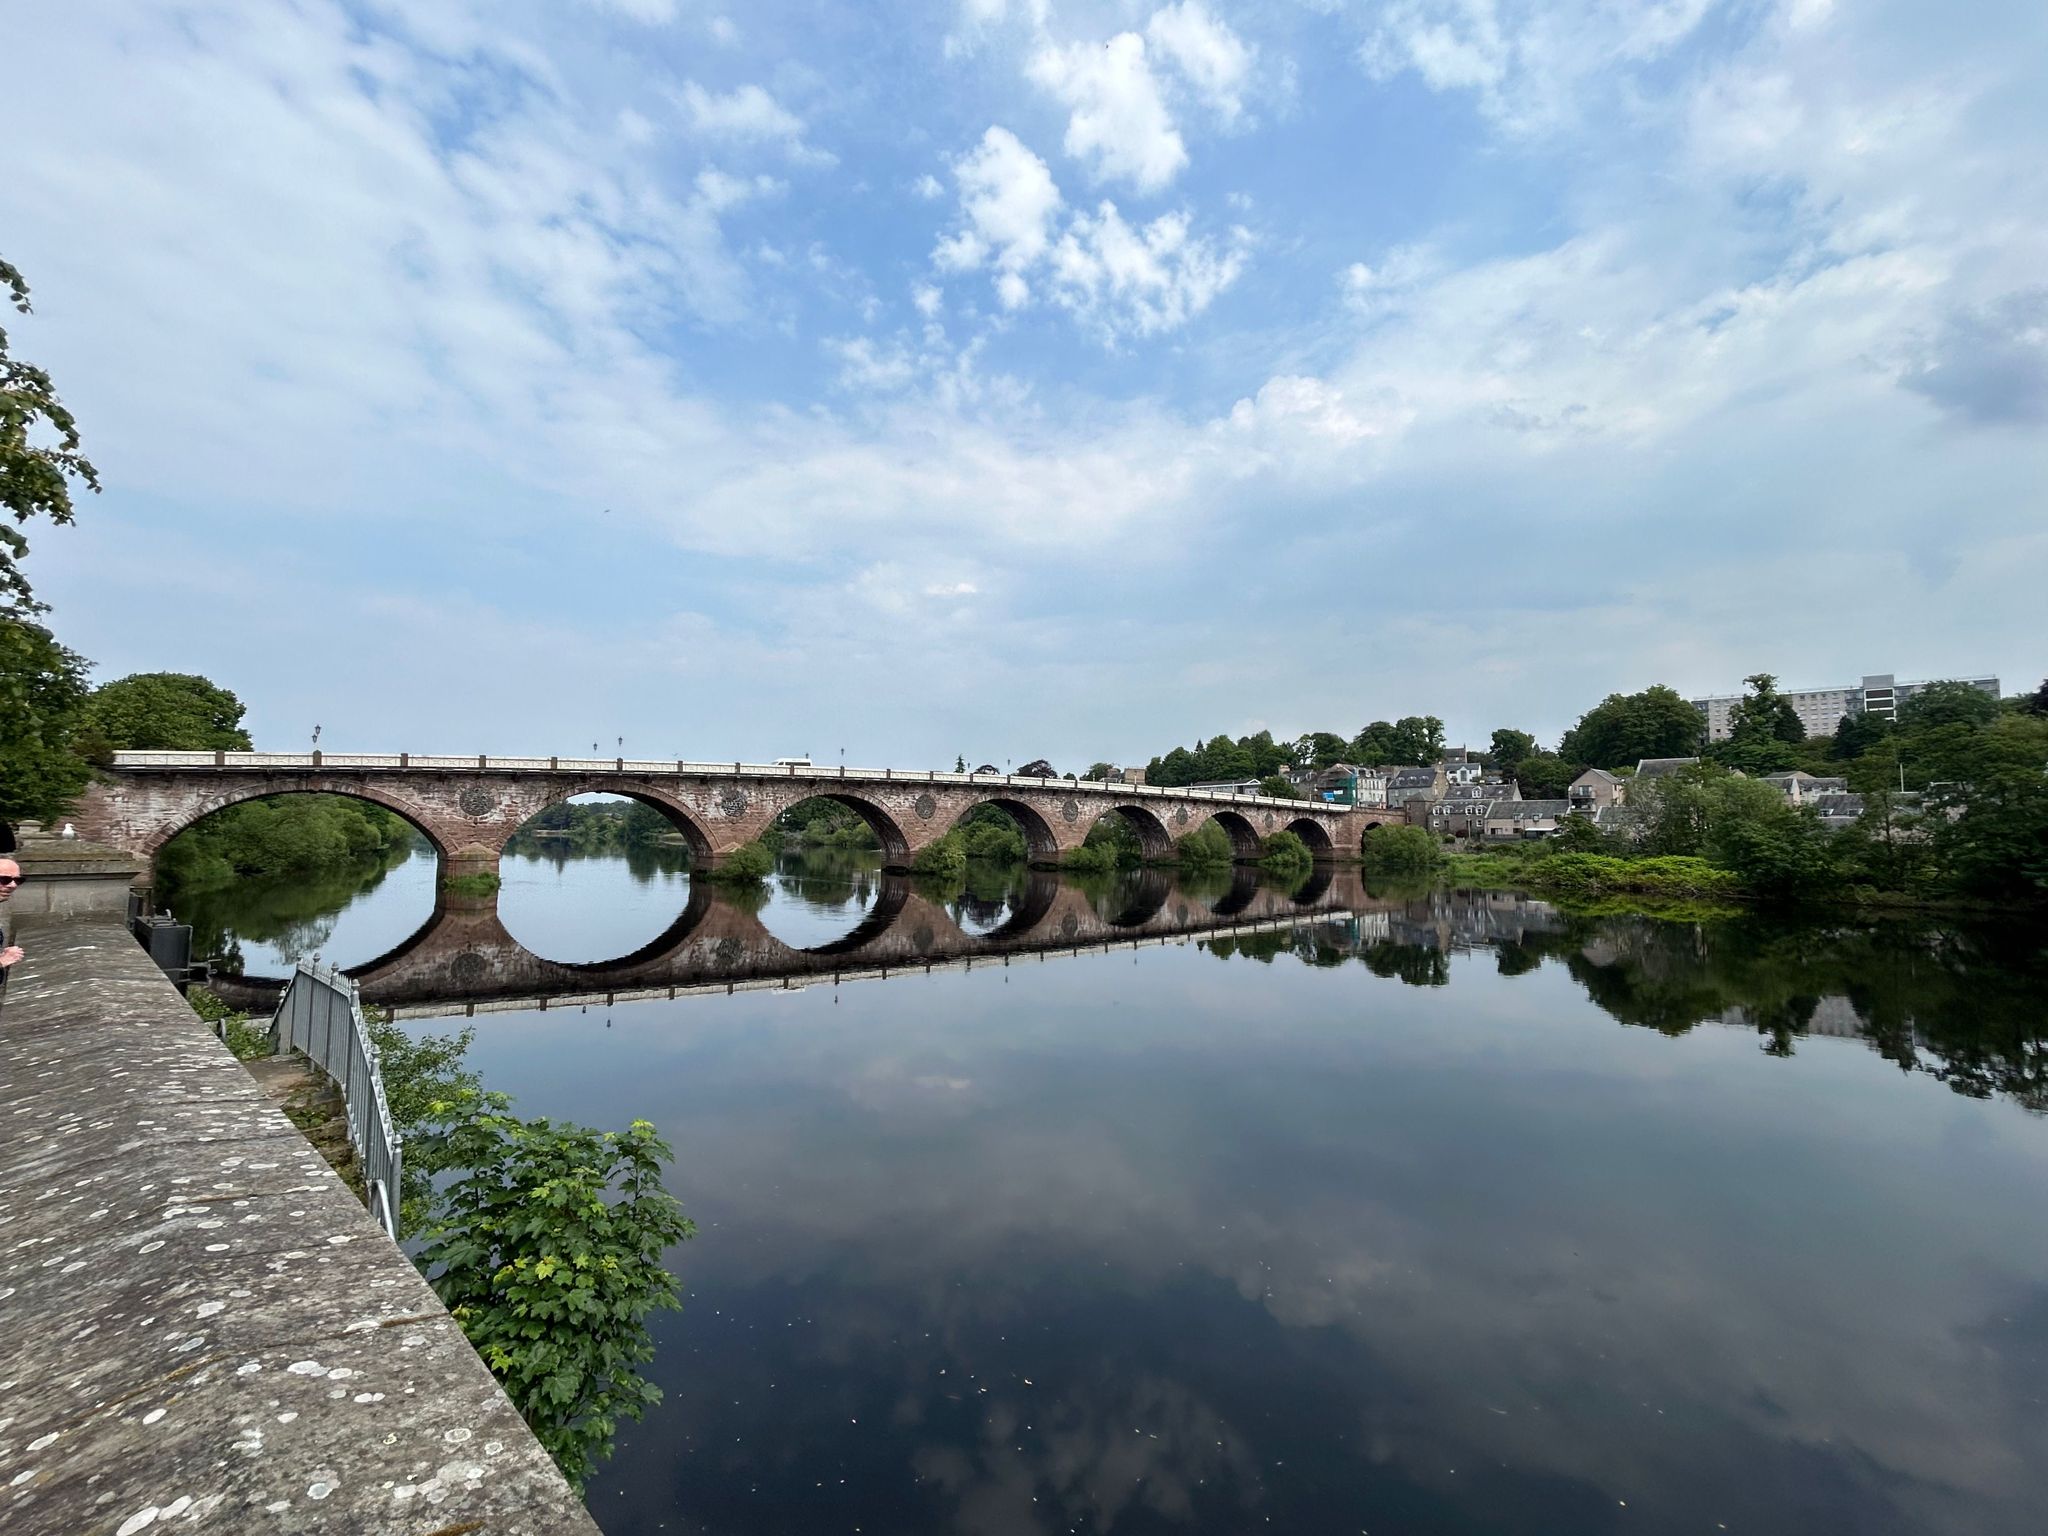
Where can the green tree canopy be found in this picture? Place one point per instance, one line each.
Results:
(1946, 703)
(1319, 749)
(1624, 728)
(42, 688)
(35, 475)
(1510, 747)
(1764, 714)
(166, 712)
(1543, 776)
(1412, 740)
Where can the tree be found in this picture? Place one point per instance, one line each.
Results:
(1276, 785)
(1764, 714)
(1992, 840)
(35, 479)
(1510, 747)
(1374, 745)
(1857, 734)
(547, 1251)
(42, 688)
(1319, 749)
(166, 712)
(2037, 701)
(1625, 728)
(1401, 850)
(1413, 739)
(959, 765)
(1099, 772)
(1543, 776)
(1946, 703)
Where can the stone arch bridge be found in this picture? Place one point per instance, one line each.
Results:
(469, 807)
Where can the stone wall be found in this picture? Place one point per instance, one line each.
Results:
(202, 1328)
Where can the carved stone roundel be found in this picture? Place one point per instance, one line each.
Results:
(926, 807)
(1070, 808)
(1270, 819)
(923, 939)
(732, 801)
(476, 801)
(468, 968)
(1180, 817)
(1070, 925)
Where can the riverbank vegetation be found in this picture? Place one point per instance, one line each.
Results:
(1401, 851)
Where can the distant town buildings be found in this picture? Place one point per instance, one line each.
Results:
(1820, 710)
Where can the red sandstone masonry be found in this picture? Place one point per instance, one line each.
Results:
(469, 815)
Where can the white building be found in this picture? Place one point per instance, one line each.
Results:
(1820, 710)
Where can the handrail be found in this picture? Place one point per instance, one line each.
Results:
(321, 1015)
(357, 762)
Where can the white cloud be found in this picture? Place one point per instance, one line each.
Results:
(928, 187)
(723, 31)
(747, 115)
(928, 299)
(1532, 64)
(1141, 280)
(1118, 278)
(1214, 59)
(1008, 199)
(1118, 123)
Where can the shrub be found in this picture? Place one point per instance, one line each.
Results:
(745, 865)
(1090, 859)
(1401, 850)
(1285, 852)
(546, 1250)
(481, 884)
(945, 859)
(1207, 847)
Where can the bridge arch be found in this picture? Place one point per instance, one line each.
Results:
(673, 812)
(1040, 841)
(407, 811)
(1153, 838)
(1314, 835)
(1244, 837)
(895, 846)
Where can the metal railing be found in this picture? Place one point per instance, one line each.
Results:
(386, 762)
(321, 1015)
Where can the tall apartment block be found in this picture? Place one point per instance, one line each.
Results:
(1820, 710)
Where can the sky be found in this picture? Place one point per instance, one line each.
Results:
(1018, 378)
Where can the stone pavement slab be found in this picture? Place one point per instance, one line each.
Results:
(201, 1329)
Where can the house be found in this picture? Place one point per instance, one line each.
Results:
(1837, 810)
(1461, 770)
(1799, 787)
(1507, 820)
(1660, 767)
(1372, 788)
(1593, 789)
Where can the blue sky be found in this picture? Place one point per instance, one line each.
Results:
(1012, 377)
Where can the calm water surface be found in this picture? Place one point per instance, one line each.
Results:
(1461, 1217)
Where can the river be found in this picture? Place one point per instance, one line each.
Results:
(1447, 1214)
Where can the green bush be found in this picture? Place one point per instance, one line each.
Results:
(546, 1249)
(473, 886)
(1207, 847)
(1090, 859)
(246, 1040)
(1401, 850)
(993, 842)
(945, 859)
(745, 865)
(1285, 852)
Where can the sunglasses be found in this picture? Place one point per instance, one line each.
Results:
(12, 879)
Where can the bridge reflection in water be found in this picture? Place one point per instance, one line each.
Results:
(465, 960)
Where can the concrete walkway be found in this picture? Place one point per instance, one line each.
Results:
(200, 1328)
